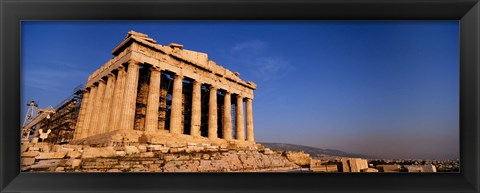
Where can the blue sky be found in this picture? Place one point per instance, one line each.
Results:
(382, 88)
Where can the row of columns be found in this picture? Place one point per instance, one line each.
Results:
(110, 105)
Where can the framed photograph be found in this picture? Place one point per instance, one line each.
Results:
(241, 96)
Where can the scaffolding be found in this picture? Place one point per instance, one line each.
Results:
(60, 119)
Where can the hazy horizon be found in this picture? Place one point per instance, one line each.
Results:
(381, 88)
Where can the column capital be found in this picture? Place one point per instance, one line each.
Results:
(111, 75)
(227, 92)
(239, 96)
(211, 87)
(86, 90)
(196, 82)
(121, 67)
(177, 76)
(101, 80)
(155, 68)
(248, 99)
(132, 61)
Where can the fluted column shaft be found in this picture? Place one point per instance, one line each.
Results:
(79, 127)
(176, 113)
(94, 124)
(227, 117)
(212, 114)
(239, 121)
(153, 100)
(105, 111)
(196, 109)
(114, 122)
(88, 114)
(127, 120)
(249, 112)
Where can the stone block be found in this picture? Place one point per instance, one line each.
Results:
(224, 146)
(189, 149)
(23, 147)
(268, 151)
(121, 153)
(60, 169)
(92, 152)
(168, 158)
(164, 149)
(57, 148)
(139, 170)
(206, 156)
(357, 164)
(51, 155)
(324, 168)
(42, 164)
(25, 168)
(211, 148)
(73, 154)
(183, 158)
(154, 147)
(177, 149)
(192, 149)
(196, 156)
(154, 168)
(298, 157)
(388, 168)
(147, 154)
(30, 154)
(421, 168)
(68, 149)
(45, 148)
(131, 150)
(142, 148)
(68, 163)
(147, 162)
(27, 161)
(370, 170)
(34, 149)
(429, 168)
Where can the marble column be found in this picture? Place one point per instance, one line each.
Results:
(116, 107)
(227, 117)
(94, 124)
(88, 114)
(81, 115)
(212, 114)
(163, 105)
(176, 112)
(127, 119)
(105, 111)
(249, 112)
(196, 109)
(239, 121)
(153, 100)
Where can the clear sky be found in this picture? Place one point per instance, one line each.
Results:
(385, 88)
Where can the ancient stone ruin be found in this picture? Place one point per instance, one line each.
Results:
(149, 89)
(154, 108)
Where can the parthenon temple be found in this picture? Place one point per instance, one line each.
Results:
(150, 89)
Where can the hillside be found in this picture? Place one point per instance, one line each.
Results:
(313, 151)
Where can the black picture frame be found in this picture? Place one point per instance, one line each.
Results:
(12, 12)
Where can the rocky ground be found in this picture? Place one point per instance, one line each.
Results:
(142, 157)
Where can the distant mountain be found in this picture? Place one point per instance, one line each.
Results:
(313, 151)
